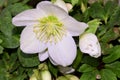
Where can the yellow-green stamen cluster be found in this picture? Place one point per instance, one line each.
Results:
(50, 29)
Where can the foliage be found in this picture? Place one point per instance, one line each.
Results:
(103, 17)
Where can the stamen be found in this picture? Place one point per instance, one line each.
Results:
(49, 29)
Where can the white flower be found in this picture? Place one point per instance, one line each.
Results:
(89, 44)
(49, 30)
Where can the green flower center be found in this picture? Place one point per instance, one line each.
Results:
(50, 29)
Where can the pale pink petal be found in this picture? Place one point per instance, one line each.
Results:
(52, 9)
(52, 61)
(73, 26)
(29, 43)
(43, 55)
(64, 52)
(61, 4)
(28, 17)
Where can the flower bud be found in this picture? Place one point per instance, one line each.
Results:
(42, 73)
(89, 44)
(45, 75)
(72, 77)
(33, 77)
(68, 77)
(69, 6)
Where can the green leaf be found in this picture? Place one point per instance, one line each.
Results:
(10, 41)
(53, 69)
(109, 8)
(3, 71)
(89, 75)
(2, 2)
(17, 8)
(93, 25)
(28, 60)
(1, 41)
(1, 49)
(90, 61)
(114, 67)
(115, 18)
(96, 11)
(86, 68)
(6, 26)
(107, 74)
(12, 1)
(78, 59)
(114, 54)
(109, 36)
(19, 77)
(74, 2)
(12, 61)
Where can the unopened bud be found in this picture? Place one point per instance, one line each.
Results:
(33, 77)
(45, 75)
(72, 77)
(89, 44)
(69, 6)
(68, 77)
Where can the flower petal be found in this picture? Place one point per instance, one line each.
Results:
(43, 55)
(64, 52)
(52, 9)
(66, 70)
(29, 43)
(28, 17)
(73, 26)
(89, 44)
(61, 4)
(52, 61)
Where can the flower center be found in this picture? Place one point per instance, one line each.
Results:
(49, 29)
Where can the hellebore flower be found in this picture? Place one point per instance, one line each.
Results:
(49, 30)
(89, 44)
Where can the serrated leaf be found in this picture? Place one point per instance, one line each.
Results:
(6, 26)
(10, 41)
(19, 77)
(96, 11)
(28, 60)
(86, 68)
(3, 71)
(109, 35)
(115, 67)
(90, 61)
(17, 8)
(107, 74)
(12, 1)
(115, 18)
(109, 8)
(89, 75)
(114, 54)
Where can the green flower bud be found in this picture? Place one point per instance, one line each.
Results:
(72, 77)
(68, 77)
(33, 77)
(45, 75)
